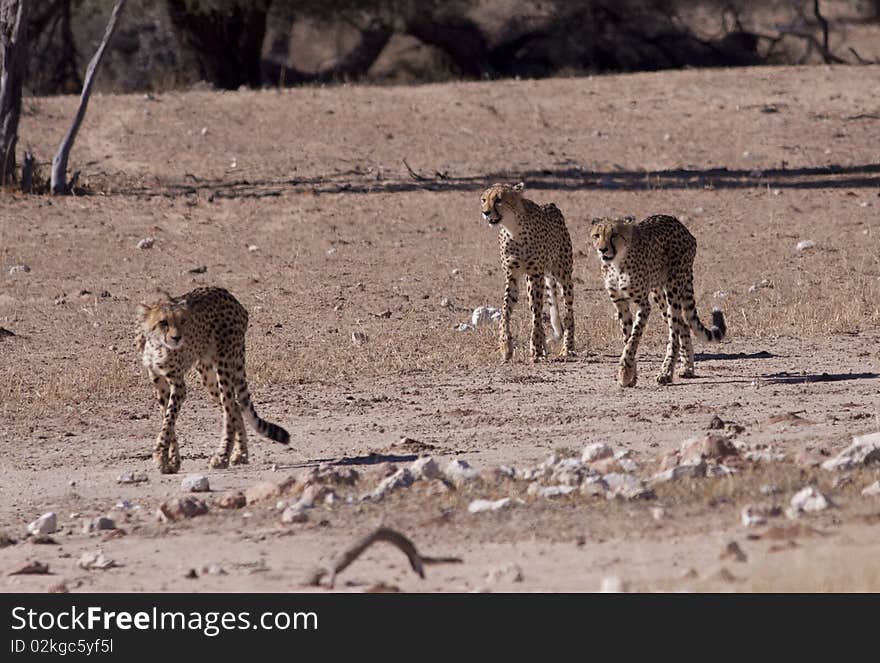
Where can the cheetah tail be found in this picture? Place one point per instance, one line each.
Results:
(265, 428)
(554, 307)
(711, 334)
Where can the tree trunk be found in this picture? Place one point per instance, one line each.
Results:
(13, 41)
(59, 162)
(228, 41)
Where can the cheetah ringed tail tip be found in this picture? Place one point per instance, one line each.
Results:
(712, 334)
(554, 307)
(265, 428)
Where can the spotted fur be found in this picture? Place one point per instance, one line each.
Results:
(534, 243)
(205, 329)
(654, 257)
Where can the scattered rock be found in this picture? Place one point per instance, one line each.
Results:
(733, 552)
(232, 499)
(769, 489)
(658, 513)
(425, 468)
(460, 471)
(626, 486)
(505, 573)
(764, 283)
(100, 523)
(679, 472)
(808, 500)
(478, 506)
(132, 477)
(96, 561)
(403, 478)
(213, 570)
(295, 513)
(571, 472)
(538, 490)
(870, 491)
(146, 243)
(464, 327)
(710, 446)
(30, 568)
(182, 508)
(201, 269)
(865, 449)
(44, 525)
(265, 490)
(805, 244)
(596, 451)
(195, 483)
(359, 338)
(19, 269)
(484, 315)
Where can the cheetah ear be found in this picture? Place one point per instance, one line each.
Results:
(143, 310)
(596, 221)
(519, 186)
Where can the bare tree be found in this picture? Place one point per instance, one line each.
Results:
(13, 41)
(60, 185)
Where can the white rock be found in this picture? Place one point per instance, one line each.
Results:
(95, 560)
(570, 472)
(464, 327)
(358, 337)
(146, 243)
(809, 499)
(424, 468)
(594, 486)
(694, 471)
(460, 471)
(19, 269)
(805, 244)
(131, 477)
(864, 449)
(626, 486)
(195, 483)
(400, 479)
(45, 524)
(658, 513)
(873, 490)
(596, 451)
(484, 315)
(295, 513)
(125, 505)
(214, 570)
(538, 490)
(612, 585)
(253, 248)
(478, 506)
(507, 572)
(628, 465)
(751, 518)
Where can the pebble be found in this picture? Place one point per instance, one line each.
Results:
(233, 499)
(359, 338)
(98, 524)
(96, 560)
(181, 508)
(19, 269)
(505, 573)
(805, 244)
(45, 524)
(146, 243)
(464, 327)
(295, 513)
(484, 315)
(195, 483)
(808, 500)
(597, 451)
(751, 517)
(479, 506)
(131, 477)
(460, 471)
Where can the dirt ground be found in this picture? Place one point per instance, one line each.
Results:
(329, 211)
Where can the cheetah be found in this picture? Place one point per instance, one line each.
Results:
(653, 257)
(534, 242)
(204, 328)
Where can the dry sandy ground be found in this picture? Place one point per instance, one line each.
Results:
(347, 240)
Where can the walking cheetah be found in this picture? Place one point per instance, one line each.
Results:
(534, 242)
(204, 328)
(653, 257)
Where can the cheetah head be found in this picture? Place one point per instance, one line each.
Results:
(498, 198)
(162, 323)
(610, 237)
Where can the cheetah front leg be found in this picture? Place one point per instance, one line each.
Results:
(166, 453)
(568, 318)
(624, 315)
(686, 353)
(511, 295)
(220, 459)
(536, 304)
(627, 375)
(672, 317)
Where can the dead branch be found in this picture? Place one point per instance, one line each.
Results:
(414, 174)
(13, 44)
(395, 538)
(59, 162)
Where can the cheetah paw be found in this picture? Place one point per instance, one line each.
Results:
(686, 373)
(664, 378)
(626, 378)
(238, 459)
(219, 462)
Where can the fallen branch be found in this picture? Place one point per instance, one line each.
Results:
(60, 185)
(395, 538)
(414, 174)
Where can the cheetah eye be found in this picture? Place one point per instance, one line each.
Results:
(163, 324)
